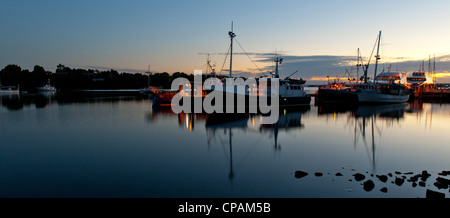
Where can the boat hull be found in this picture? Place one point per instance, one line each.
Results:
(372, 96)
(332, 95)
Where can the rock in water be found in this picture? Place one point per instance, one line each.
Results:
(434, 194)
(444, 173)
(359, 176)
(382, 178)
(425, 175)
(384, 190)
(318, 174)
(339, 174)
(368, 185)
(300, 174)
(440, 185)
(443, 181)
(399, 181)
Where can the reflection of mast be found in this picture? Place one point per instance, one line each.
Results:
(373, 144)
(231, 174)
(363, 133)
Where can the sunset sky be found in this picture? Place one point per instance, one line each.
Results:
(317, 38)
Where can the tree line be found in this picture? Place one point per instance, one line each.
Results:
(66, 78)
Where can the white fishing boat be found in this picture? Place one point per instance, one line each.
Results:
(47, 88)
(291, 91)
(375, 92)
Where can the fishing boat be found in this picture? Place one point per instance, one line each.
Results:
(336, 92)
(378, 93)
(384, 88)
(47, 88)
(163, 97)
(418, 78)
(8, 89)
(291, 90)
(390, 77)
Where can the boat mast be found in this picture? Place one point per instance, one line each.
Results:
(148, 71)
(232, 35)
(357, 64)
(377, 57)
(277, 61)
(434, 69)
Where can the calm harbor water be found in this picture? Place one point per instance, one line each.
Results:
(121, 146)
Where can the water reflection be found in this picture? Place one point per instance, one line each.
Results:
(367, 123)
(16, 102)
(220, 128)
(136, 140)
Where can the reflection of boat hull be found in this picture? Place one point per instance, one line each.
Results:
(391, 110)
(250, 101)
(374, 96)
(227, 121)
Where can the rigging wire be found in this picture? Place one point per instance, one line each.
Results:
(248, 56)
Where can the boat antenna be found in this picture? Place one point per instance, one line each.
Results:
(377, 57)
(292, 74)
(232, 35)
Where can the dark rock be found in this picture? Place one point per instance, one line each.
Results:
(398, 173)
(444, 173)
(359, 176)
(382, 178)
(422, 184)
(399, 181)
(390, 174)
(368, 185)
(414, 178)
(318, 174)
(440, 185)
(408, 173)
(414, 184)
(371, 175)
(339, 174)
(443, 181)
(300, 174)
(425, 175)
(434, 194)
(384, 190)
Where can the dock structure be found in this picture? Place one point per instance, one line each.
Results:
(434, 92)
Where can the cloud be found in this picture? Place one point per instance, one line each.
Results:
(316, 68)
